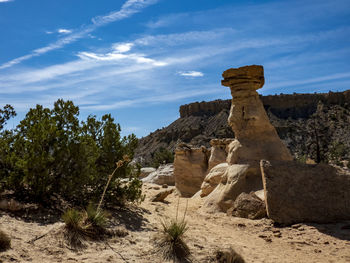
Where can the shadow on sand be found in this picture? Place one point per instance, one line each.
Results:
(339, 230)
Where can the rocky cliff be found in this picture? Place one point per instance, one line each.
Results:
(295, 117)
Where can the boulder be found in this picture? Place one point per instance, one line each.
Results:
(248, 206)
(238, 178)
(159, 197)
(296, 192)
(213, 178)
(163, 175)
(145, 171)
(190, 167)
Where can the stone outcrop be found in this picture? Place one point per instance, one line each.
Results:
(248, 206)
(238, 178)
(296, 192)
(163, 175)
(218, 151)
(190, 167)
(213, 178)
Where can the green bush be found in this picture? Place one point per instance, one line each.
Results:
(52, 152)
(162, 156)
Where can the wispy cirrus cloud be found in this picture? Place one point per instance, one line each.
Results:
(3, 1)
(129, 8)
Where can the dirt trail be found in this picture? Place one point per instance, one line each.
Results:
(256, 240)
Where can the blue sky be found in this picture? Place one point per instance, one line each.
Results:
(141, 59)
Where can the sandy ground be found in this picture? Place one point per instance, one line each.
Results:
(255, 240)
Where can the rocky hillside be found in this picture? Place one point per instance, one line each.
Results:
(316, 126)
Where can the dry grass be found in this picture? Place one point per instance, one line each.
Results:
(5, 241)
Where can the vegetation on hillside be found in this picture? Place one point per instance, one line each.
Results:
(162, 156)
(51, 152)
(324, 137)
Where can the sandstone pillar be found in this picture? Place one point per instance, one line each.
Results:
(248, 118)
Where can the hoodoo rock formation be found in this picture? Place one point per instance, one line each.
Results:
(248, 117)
(256, 139)
(190, 167)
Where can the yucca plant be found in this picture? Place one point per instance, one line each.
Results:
(96, 217)
(5, 241)
(76, 229)
(170, 242)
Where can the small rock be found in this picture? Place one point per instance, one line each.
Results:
(162, 195)
(164, 186)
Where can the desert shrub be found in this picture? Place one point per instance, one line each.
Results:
(5, 241)
(52, 152)
(76, 230)
(162, 156)
(170, 241)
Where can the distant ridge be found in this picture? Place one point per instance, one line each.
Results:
(200, 122)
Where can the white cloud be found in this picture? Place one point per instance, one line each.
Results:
(123, 47)
(64, 31)
(129, 8)
(3, 1)
(191, 73)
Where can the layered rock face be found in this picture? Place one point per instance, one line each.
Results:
(256, 139)
(190, 168)
(296, 192)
